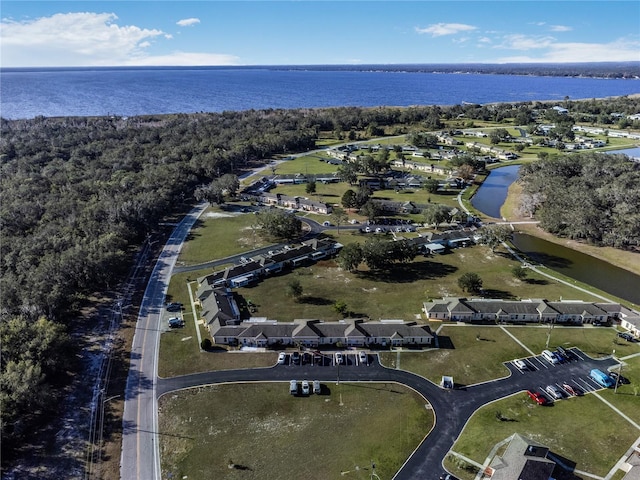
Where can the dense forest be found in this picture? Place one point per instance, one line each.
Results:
(80, 195)
(589, 196)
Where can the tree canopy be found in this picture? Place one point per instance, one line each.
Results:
(588, 196)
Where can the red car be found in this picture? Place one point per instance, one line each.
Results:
(569, 389)
(537, 397)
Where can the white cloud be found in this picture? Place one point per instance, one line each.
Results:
(621, 50)
(560, 28)
(188, 22)
(518, 41)
(89, 39)
(440, 29)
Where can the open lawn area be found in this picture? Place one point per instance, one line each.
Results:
(397, 293)
(627, 397)
(307, 165)
(594, 341)
(179, 349)
(470, 354)
(581, 429)
(260, 431)
(219, 234)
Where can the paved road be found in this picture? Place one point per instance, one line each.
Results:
(140, 458)
(452, 408)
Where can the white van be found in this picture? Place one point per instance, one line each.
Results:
(549, 357)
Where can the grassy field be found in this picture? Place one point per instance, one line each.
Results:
(594, 341)
(179, 350)
(466, 358)
(627, 397)
(219, 234)
(268, 434)
(573, 428)
(398, 292)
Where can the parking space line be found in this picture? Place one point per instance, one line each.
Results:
(541, 363)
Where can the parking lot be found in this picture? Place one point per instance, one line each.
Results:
(556, 381)
(325, 359)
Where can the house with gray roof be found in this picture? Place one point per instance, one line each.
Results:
(316, 333)
(521, 311)
(219, 304)
(523, 459)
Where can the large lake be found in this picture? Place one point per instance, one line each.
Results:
(26, 93)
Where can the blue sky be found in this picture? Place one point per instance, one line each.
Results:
(95, 33)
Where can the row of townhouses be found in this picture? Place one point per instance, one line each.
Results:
(529, 311)
(317, 333)
(260, 266)
(296, 203)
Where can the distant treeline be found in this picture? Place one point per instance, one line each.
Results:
(595, 69)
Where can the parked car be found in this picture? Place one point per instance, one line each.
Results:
(305, 387)
(339, 358)
(293, 387)
(627, 336)
(447, 476)
(316, 387)
(282, 358)
(620, 380)
(174, 307)
(295, 358)
(362, 356)
(537, 397)
(569, 389)
(554, 392)
(563, 353)
(306, 358)
(549, 357)
(520, 364)
(176, 322)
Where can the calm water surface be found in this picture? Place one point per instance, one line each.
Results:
(581, 267)
(493, 191)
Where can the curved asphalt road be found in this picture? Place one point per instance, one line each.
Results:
(452, 408)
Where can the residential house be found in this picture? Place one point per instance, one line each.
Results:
(315, 333)
(523, 311)
(523, 459)
(219, 307)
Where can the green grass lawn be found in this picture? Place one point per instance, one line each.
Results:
(399, 292)
(466, 358)
(269, 434)
(179, 350)
(574, 428)
(627, 397)
(307, 165)
(594, 341)
(219, 234)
